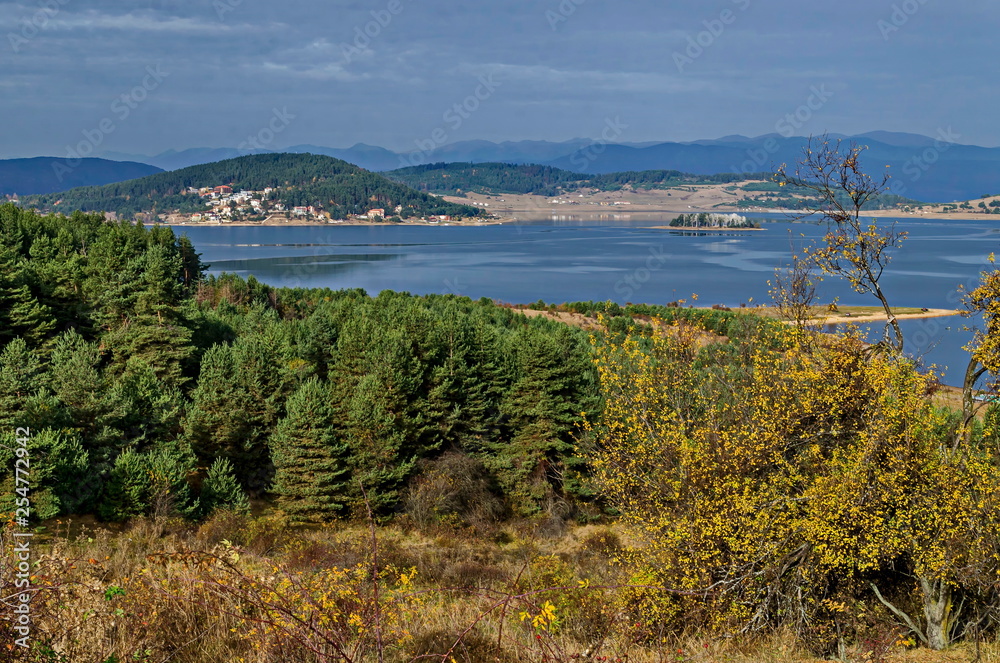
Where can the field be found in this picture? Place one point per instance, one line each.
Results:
(678, 200)
(240, 588)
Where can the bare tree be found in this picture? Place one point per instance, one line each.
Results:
(855, 249)
(793, 291)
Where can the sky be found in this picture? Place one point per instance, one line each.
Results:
(144, 77)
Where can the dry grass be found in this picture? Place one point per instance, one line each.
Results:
(255, 590)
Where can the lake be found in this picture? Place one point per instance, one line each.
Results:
(575, 259)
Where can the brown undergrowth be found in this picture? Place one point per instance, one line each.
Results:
(256, 590)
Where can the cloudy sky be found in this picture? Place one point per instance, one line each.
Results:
(144, 77)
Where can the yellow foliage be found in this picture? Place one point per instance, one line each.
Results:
(813, 461)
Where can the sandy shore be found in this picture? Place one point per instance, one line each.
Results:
(881, 317)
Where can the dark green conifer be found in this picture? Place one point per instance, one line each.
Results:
(312, 477)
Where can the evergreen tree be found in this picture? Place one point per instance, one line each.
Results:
(141, 409)
(127, 492)
(221, 490)
(21, 377)
(377, 384)
(382, 458)
(235, 407)
(191, 265)
(312, 476)
(148, 484)
(78, 385)
(27, 316)
(542, 409)
(61, 479)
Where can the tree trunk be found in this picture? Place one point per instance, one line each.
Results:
(972, 374)
(891, 323)
(937, 611)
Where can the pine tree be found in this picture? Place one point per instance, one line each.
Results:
(20, 378)
(221, 490)
(311, 469)
(542, 409)
(61, 480)
(141, 409)
(127, 491)
(27, 316)
(78, 385)
(235, 407)
(191, 264)
(148, 484)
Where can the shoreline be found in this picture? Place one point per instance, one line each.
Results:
(324, 224)
(881, 317)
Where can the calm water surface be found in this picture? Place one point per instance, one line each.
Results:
(594, 259)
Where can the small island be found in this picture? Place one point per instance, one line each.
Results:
(714, 221)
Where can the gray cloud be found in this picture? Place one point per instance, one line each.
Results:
(354, 70)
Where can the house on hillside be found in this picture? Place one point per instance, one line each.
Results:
(376, 214)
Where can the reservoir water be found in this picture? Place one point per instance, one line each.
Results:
(596, 259)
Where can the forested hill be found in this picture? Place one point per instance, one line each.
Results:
(453, 178)
(297, 179)
(40, 175)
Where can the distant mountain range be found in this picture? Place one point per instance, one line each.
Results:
(460, 178)
(931, 169)
(49, 174)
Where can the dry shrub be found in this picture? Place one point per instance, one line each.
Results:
(455, 491)
(474, 574)
(603, 541)
(222, 525)
(312, 555)
(460, 647)
(263, 535)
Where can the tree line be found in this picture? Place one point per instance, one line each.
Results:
(151, 388)
(498, 178)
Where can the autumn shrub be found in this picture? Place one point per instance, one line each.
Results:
(460, 646)
(602, 541)
(760, 485)
(222, 525)
(266, 534)
(310, 554)
(474, 574)
(455, 491)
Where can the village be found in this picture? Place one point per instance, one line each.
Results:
(228, 206)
